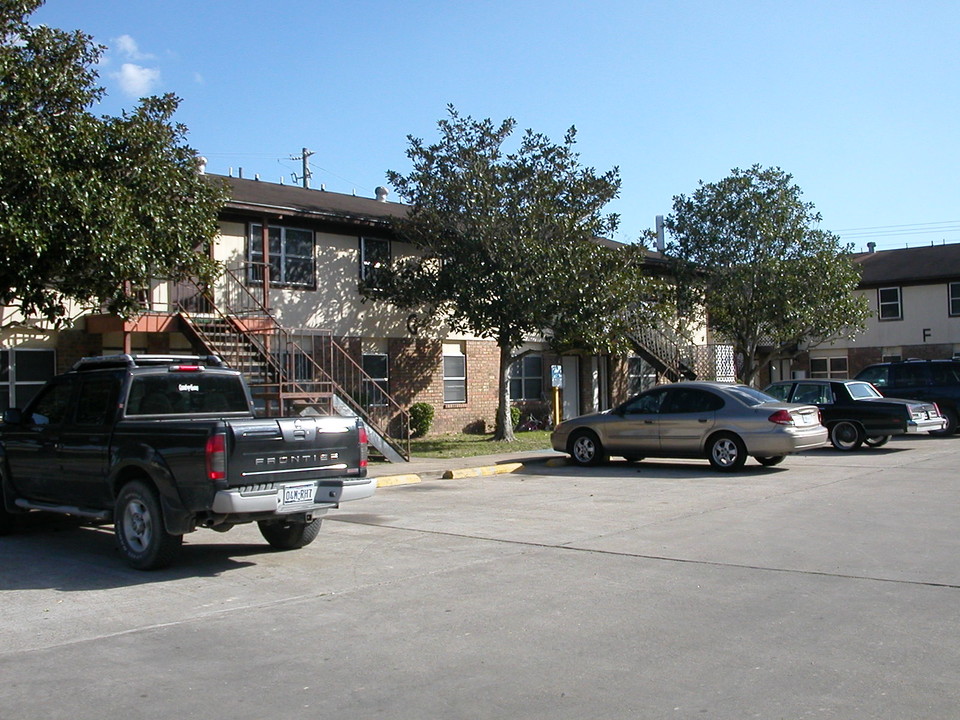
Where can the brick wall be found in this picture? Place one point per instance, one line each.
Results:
(75, 344)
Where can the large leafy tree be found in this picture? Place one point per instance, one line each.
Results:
(89, 204)
(507, 243)
(749, 251)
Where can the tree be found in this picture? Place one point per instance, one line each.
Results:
(749, 249)
(89, 205)
(507, 243)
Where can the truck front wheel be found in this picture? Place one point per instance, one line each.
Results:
(138, 523)
(289, 535)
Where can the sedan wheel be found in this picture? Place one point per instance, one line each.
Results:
(877, 440)
(586, 449)
(846, 435)
(727, 452)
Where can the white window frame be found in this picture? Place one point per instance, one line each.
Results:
(836, 367)
(953, 299)
(382, 387)
(454, 379)
(527, 378)
(895, 305)
(19, 392)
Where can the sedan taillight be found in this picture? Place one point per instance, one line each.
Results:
(781, 417)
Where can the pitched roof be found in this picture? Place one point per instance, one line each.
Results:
(921, 265)
(291, 200)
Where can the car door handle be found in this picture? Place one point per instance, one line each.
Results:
(702, 420)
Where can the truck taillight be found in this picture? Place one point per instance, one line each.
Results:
(364, 451)
(216, 457)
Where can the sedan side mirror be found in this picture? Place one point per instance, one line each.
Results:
(12, 416)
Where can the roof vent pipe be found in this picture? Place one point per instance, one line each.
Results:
(871, 247)
(382, 193)
(201, 165)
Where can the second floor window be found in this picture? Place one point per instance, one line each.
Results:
(889, 303)
(374, 258)
(291, 256)
(953, 291)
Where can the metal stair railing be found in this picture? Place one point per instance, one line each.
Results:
(666, 349)
(299, 377)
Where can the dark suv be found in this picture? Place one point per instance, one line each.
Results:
(931, 380)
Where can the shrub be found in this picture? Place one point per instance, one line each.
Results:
(421, 418)
(514, 416)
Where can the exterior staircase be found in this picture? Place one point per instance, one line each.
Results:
(667, 351)
(292, 373)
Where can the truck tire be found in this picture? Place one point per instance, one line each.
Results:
(138, 523)
(289, 535)
(8, 520)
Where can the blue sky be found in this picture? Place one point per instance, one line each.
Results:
(857, 100)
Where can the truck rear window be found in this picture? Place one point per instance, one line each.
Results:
(186, 393)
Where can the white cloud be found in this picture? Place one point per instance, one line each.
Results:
(137, 81)
(127, 46)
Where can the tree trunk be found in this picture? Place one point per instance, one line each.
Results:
(504, 426)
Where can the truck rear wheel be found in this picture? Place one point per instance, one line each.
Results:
(289, 535)
(138, 523)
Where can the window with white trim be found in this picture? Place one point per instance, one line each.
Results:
(640, 375)
(953, 297)
(291, 251)
(889, 303)
(376, 386)
(22, 373)
(526, 378)
(454, 373)
(828, 367)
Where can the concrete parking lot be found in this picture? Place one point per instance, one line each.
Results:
(827, 586)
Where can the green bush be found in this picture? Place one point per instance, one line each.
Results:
(514, 416)
(421, 418)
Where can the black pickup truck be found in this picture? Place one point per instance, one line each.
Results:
(162, 445)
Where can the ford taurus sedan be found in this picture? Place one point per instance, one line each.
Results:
(856, 413)
(721, 422)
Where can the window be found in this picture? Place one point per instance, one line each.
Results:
(813, 394)
(691, 400)
(953, 295)
(23, 373)
(526, 378)
(98, 400)
(835, 367)
(291, 257)
(174, 393)
(377, 385)
(876, 375)
(889, 303)
(454, 373)
(52, 405)
(640, 376)
(374, 258)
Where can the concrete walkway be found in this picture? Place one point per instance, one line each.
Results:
(419, 469)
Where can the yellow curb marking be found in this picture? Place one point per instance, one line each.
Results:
(488, 470)
(389, 480)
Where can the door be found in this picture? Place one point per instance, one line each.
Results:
(571, 386)
(83, 444)
(686, 416)
(31, 446)
(634, 426)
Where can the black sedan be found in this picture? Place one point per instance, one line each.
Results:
(856, 413)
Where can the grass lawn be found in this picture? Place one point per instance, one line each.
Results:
(458, 446)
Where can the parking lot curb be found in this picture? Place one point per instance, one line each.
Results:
(556, 462)
(486, 470)
(390, 480)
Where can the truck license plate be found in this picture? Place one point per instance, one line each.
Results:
(294, 494)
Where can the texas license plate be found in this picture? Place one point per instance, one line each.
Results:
(295, 494)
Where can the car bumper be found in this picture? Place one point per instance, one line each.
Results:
(273, 497)
(785, 443)
(926, 425)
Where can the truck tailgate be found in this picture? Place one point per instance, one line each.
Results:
(268, 450)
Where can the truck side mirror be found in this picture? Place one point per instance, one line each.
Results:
(12, 416)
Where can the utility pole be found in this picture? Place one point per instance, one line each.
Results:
(305, 177)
